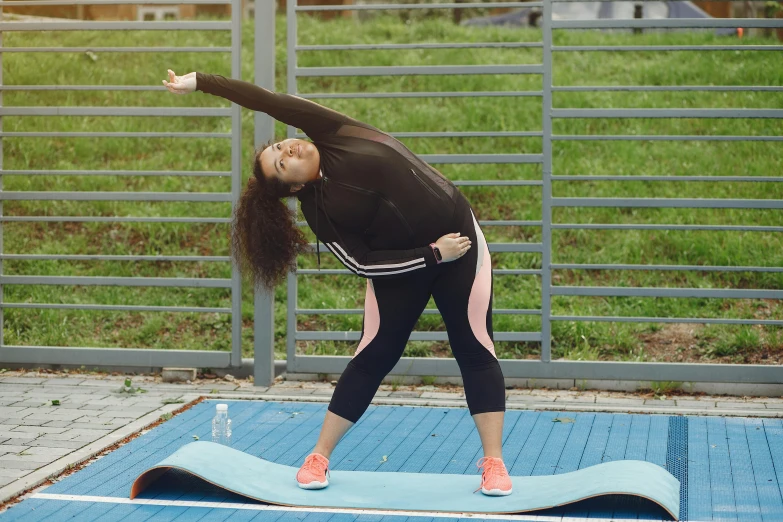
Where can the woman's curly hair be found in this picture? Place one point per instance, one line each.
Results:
(265, 239)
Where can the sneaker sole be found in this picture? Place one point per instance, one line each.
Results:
(495, 492)
(314, 485)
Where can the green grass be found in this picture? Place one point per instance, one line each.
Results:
(582, 341)
(661, 388)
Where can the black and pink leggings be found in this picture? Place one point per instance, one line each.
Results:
(463, 293)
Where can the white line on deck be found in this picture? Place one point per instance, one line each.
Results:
(270, 507)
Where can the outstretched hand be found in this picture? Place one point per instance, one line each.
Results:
(180, 84)
(453, 246)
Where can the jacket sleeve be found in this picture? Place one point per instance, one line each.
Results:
(309, 116)
(352, 251)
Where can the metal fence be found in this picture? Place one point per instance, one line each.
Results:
(546, 367)
(264, 74)
(121, 356)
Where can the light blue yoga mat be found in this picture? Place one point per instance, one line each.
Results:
(266, 481)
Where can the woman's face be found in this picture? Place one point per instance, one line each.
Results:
(292, 161)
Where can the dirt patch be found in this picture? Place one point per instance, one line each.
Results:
(674, 342)
(683, 342)
(765, 357)
(441, 350)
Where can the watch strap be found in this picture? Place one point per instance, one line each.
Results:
(436, 253)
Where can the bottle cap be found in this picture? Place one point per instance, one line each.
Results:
(222, 407)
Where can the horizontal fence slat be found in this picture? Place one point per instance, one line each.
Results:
(42, 172)
(27, 3)
(115, 196)
(583, 48)
(422, 94)
(114, 26)
(667, 113)
(139, 88)
(697, 268)
(631, 226)
(323, 271)
(484, 222)
(429, 5)
(417, 70)
(493, 247)
(688, 320)
(493, 183)
(109, 219)
(606, 137)
(664, 88)
(357, 311)
(482, 158)
(115, 50)
(467, 134)
(498, 183)
(94, 357)
(668, 203)
(115, 308)
(611, 291)
(342, 271)
(96, 257)
(444, 159)
(532, 369)
(115, 111)
(655, 23)
(145, 135)
(415, 336)
(580, 1)
(711, 179)
(189, 282)
(509, 223)
(385, 47)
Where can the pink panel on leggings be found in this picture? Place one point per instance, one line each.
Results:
(372, 318)
(478, 302)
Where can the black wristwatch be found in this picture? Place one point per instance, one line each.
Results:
(436, 251)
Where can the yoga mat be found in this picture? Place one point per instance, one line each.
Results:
(266, 481)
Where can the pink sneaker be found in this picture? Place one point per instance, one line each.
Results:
(494, 479)
(312, 474)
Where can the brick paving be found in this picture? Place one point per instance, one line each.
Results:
(39, 439)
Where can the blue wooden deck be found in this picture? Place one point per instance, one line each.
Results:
(731, 469)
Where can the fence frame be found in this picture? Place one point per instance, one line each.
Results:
(127, 357)
(264, 363)
(546, 368)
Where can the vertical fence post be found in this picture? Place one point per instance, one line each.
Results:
(2, 249)
(236, 179)
(291, 283)
(264, 301)
(546, 196)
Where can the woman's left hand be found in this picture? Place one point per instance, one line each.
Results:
(453, 246)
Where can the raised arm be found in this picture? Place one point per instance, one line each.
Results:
(312, 118)
(309, 116)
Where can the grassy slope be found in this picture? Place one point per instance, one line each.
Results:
(573, 340)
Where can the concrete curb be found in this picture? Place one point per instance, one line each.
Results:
(246, 370)
(516, 405)
(53, 469)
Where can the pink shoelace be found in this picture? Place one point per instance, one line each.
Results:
(490, 465)
(314, 462)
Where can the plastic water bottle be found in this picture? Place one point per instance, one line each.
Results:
(221, 425)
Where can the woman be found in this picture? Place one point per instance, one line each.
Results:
(389, 217)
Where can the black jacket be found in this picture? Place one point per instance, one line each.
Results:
(378, 206)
